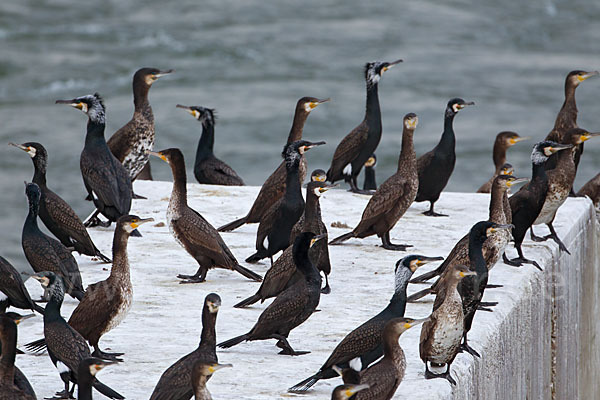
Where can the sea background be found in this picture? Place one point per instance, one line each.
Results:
(252, 60)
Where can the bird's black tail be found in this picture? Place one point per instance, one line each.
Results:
(342, 238)
(306, 384)
(247, 273)
(233, 225)
(102, 256)
(76, 293)
(37, 307)
(256, 257)
(105, 390)
(420, 294)
(36, 346)
(426, 276)
(232, 342)
(249, 301)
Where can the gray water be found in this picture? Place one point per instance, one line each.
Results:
(251, 60)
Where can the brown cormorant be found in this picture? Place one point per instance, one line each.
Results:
(88, 368)
(364, 344)
(176, 382)
(55, 213)
(527, 203)
(13, 384)
(277, 223)
(503, 141)
(345, 392)
(13, 288)
(208, 169)
(195, 234)
(442, 334)
(384, 376)
(274, 187)
(131, 143)
(436, 166)
(45, 253)
(357, 146)
(370, 182)
(592, 190)
(66, 347)
(201, 372)
(292, 307)
(560, 184)
(107, 182)
(393, 197)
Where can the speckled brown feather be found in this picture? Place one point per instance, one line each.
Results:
(213, 171)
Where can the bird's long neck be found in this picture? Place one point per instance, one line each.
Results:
(539, 173)
(497, 205)
(305, 266)
(95, 133)
(408, 157)
(373, 112)
(208, 337)
(499, 155)
(120, 268)
(390, 344)
(448, 140)
(398, 302)
(34, 208)
(140, 96)
(476, 256)
(39, 172)
(293, 190)
(199, 387)
(207, 141)
(300, 117)
(565, 158)
(311, 209)
(179, 192)
(567, 116)
(85, 381)
(7, 360)
(52, 310)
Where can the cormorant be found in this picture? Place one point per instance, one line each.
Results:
(384, 376)
(274, 187)
(66, 347)
(45, 253)
(208, 169)
(55, 213)
(292, 307)
(277, 223)
(88, 368)
(10, 388)
(195, 234)
(442, 334)
(503, 141)
(436, 166)
(13, 288)
(357, 146)
(592, 190)
(370, 182)
(393, 197)
(201, 372)
(364, 344)
(176, 382)
(527, 203)
(493, 247)
(131, 143)
(560, 183)
(105, 179)
(345, 392)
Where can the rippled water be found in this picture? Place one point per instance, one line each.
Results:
(251, 60)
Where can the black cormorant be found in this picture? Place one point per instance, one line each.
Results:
(88, 368)
(10, 388)
(503, 141)
(13, 288)
(370, 182)
(592, 190)
(201, 372)
(345, 392)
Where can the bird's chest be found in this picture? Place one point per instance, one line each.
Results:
(173, 215)
(142, 142)
(124, 299)
(448, 335)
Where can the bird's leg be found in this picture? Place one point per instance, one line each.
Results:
(522, 260)
(354, 187)
(198, 277)
(106, 356)
(137, 196)
(513, 262)
(535, 237)
(326, 289)
(465, 347)
(431, 213)
(493, 286)
(447, 375)
(93, 220)
(386, 244)
(555, 237)
(66, 393)
(283, 344)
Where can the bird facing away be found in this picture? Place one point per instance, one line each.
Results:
(55, 213)
(436, 166)
(13, 383)
(131, 143)
(442, 333)
(201, 372)
(13, 288)
(45, 253)
(88, 368)
(208, 169)
(195, 234)
(364, 344)
(176, 383)
(106, 180)
(503, 141)
(274, 187)
(357, 146)
(370, 182)
(393, 197)
(66, 347)
(291, 307)
(527, 203)
(277, 223)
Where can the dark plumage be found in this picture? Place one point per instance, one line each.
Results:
(13, 288)
(345, 392)
(436, 166)
(277, 223)
(55, 213)
(45, 253)
(592, 190)
(393, 197)
(364, 344)
(10, 388)
(88, 368)
(66, 347)
(291, 307)
(274, 187)
(208, 169)
(195, 234)
(503, 141)
(370, 182)
(201, 372)
(176, 383)
(357, 146)
(527, 203)
(107, 182)
(131, 143)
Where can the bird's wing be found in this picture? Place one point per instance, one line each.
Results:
(65, 344)
(221, 173)
(358, 342)
(382, 379)
(424, 161)
(119, 141)
(348, 149)
(384, 199)
(62, 213)
(282, 311)
(95, 309)
(99, 175)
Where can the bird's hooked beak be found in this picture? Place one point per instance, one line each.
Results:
(498, 227)
(514, 140)
(163, 73)
(585, 76)
(320, 178)
(193, 112)
(159, 155)
(390, 65)
(325, 188)
(213, 307)
(317, 238)
(514, 181)
(42, 279)
(314, 104)
(216, 367)
(463, 274)
(313, 144)
(467, 103)
(23, 318)
(409, 324)
(412, 123)
(137, 223)
(353, 389)
(419, 262)
(555, 149)
(588, 136)
(80, 105)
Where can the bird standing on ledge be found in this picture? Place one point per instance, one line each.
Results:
(503, 141)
